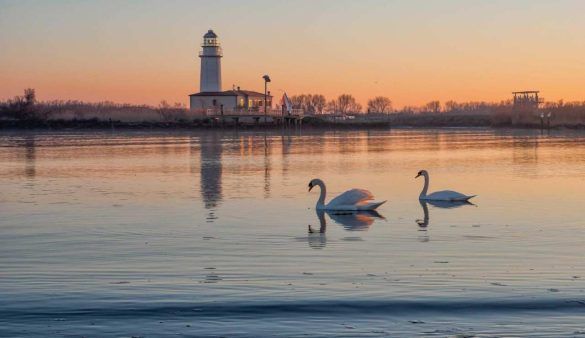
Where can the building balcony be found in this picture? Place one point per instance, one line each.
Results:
(252, 111)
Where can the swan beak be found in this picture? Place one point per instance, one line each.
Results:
(310, 187)
(417, 176)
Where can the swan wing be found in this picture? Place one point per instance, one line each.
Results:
(351, 197)
(370, 205)
(448, 204)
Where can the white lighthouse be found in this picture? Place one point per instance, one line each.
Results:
(210, 80)
(211, 99)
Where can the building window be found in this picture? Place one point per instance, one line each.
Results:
(214, 102)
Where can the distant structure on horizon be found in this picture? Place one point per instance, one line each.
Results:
(210, 96)
(526, 100)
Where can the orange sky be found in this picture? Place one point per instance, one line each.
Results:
(410, 51)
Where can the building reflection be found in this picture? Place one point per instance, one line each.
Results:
(286, 143)
(525, 149)
(267, 166)
(211, 169)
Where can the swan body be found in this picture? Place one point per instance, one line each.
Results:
(351, 200)
(443, 195)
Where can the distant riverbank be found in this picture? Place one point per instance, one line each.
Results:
(439, 120)
(25, 112)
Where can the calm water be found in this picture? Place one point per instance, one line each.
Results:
(205, 234)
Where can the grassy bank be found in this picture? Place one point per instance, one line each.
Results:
(439, 120)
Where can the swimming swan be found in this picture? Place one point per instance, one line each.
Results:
(444, 195)
(351, 200)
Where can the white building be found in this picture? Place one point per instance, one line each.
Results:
(211, 97)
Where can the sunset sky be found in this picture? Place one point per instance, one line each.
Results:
(410, 51)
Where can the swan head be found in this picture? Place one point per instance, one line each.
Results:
(312, 184)
(315, 182)
(422, 173)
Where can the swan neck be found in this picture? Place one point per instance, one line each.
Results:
(321, 200)
(423, 193)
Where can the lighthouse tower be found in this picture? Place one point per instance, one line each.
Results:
(210, 55)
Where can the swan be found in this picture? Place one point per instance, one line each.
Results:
(443, 195)
(351, 200)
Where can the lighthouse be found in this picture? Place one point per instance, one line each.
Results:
(211, 99)
(210, 80)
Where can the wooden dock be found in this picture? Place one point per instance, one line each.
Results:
(256, 117)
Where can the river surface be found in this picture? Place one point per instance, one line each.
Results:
(205, 233)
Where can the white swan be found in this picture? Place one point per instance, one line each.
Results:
(351, 200)
(444, 195)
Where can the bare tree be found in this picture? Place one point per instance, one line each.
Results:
(345, 103)
(21, 107)
(433, 107)
(310, 103)
(452, 106)
(30, 98)
(318, 102)
(379, 104)
(165, 111)
(299, 101)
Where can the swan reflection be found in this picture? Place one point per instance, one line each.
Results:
(350, 220)
(355, 220)
(423, 223)
(317, 238)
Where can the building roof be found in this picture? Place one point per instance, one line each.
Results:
(231, 93)
(210, 34)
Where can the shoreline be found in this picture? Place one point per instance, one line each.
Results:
(423, 122)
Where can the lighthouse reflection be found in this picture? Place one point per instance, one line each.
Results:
(211, 170)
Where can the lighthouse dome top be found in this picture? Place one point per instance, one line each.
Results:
(210, 35)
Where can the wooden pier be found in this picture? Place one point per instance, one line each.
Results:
(256, 117)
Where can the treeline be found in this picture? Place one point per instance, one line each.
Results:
(343, 104)
(27, 108)
(346, 103)
(503, 113)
